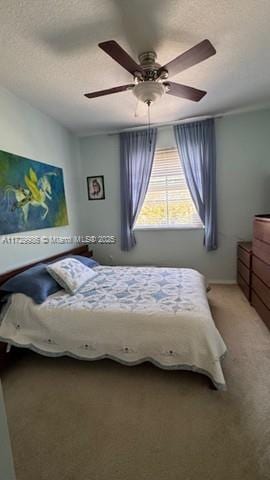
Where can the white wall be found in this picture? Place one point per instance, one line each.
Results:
(243, 186)
(28, 132)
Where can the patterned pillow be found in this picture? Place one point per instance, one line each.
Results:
(70, 274)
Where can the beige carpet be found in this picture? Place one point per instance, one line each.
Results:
(72, 420)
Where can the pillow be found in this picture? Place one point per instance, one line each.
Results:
(88, 262)
(70, 274)
(35, 282)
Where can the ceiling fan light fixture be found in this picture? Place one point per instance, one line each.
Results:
(149, 92)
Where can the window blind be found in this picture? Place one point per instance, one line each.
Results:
(168, 201)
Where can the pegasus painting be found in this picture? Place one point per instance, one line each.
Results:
(32, 195)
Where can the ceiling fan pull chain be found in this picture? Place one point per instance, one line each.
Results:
(149, 123)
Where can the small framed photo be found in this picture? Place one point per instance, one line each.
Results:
(95, 188)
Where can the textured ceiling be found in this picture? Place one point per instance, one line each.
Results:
(49, 55)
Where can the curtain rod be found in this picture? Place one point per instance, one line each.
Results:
(165, 124)
(238, 111)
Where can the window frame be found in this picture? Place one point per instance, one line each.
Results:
(168, 226)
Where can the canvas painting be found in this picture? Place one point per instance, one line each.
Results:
(32, 195)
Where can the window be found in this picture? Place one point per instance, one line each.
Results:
(168, 202)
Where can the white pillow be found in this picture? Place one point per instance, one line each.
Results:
(70, 274)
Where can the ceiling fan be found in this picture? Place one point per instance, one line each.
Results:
(150, 79)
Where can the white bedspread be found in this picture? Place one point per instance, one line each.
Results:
(130, 314)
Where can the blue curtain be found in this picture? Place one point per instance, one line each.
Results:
(197, 149)
(136, 159)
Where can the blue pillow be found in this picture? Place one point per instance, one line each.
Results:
(88, 262)
(34, 282)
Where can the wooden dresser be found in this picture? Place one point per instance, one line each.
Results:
(260, 279)
(244, 262)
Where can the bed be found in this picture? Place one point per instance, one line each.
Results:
(128, 314)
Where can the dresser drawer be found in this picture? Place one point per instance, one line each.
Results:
(244, 286)
(261, 250)
(261, 290)
(243, 271)
(261, 269)
(261, 309)
(261, 230)
(244, 256)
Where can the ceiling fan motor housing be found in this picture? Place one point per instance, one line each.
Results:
(148, 59)
(151, 69)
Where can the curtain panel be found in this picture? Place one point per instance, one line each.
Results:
(137, 150)
(196, 146)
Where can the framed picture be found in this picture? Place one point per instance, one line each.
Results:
(95, 187)
(32, 195)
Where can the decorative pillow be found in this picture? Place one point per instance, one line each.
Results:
(34, 282)
(70, 274)
(88, 262)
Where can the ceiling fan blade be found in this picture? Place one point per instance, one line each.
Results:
(113, 49)
(194, 55)
(184, 91)
(100, 93)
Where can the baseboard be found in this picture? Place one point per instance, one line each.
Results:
(223, 282)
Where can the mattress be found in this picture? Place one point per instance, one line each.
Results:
(129, 314)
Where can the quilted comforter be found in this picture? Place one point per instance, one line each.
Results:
(129, 314)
